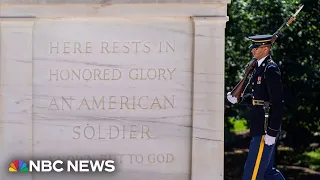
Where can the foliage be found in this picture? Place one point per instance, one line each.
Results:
(297, 52)
(313, 159)
(238, 125)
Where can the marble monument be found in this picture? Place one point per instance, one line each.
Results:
(137, 81)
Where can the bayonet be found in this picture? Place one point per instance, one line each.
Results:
(288, 22)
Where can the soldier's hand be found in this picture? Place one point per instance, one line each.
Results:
(231, 99)
(269, 140)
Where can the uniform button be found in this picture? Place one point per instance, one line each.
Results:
(252, 90)
(253, 83)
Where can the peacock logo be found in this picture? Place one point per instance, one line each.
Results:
(18, 166)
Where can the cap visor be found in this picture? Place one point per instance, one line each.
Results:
(252, 46)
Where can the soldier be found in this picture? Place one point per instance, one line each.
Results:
(267, 108)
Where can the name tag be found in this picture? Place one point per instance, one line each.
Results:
(259, 80)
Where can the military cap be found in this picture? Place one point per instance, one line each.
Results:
(259, 40)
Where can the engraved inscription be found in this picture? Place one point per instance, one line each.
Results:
(150, 158)
(84, 74)
(165, 46)
(125, 47)
(112, 102)
(111, 132)
(112, 47)
(110, 74)
(151, 74)
(140, 158)
(70, 47)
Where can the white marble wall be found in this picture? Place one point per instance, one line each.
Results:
(146, 91)
(16, 92)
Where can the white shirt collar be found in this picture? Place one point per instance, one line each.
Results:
(261, 60)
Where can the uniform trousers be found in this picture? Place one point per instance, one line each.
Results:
(260, 160)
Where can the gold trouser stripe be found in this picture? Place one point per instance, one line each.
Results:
(256, 166)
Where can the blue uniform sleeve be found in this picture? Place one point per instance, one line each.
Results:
(275, 91)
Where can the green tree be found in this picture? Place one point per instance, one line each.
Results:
(296, 52)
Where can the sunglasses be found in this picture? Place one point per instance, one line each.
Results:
(260, 47)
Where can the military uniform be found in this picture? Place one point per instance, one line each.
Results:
(266, 88)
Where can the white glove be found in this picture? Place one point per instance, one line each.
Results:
(269, 140)
(232, 99)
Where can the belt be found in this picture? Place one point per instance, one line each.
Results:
(257, 102)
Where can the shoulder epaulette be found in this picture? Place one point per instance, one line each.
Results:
(271, 64)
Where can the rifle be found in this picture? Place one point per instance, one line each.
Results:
(287, 22)
(238, 90)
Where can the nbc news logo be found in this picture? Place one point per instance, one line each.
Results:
(18, 166)
(59, 166)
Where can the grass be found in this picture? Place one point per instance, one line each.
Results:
(293, 165)
(313, 159)
(307, 159)
(238, 125)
